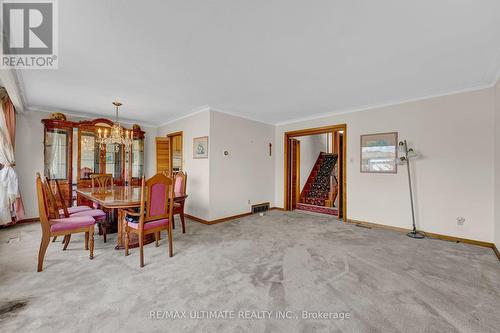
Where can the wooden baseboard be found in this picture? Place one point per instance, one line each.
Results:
(229, 218)
(30, 220)
(23, 221)
(495, 249)
(430, 234)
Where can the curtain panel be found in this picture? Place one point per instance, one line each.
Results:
(11, 205)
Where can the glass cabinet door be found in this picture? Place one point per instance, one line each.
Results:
(113, 164)
(56, 153)
(89, 155)
(137, 158)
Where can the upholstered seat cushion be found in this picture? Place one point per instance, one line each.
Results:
(97, 214)
(73, 210)
(71, 223)
(149, 225)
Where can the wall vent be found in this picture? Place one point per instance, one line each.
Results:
(260, 208)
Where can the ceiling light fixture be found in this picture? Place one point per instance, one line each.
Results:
(118, 136)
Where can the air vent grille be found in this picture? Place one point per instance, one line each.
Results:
(260, 208)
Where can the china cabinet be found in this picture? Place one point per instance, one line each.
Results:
(58, 154)
(63, 138)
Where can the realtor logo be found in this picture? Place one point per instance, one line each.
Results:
(29, 34)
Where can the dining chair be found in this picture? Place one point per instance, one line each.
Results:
(53, 225)
(179, 188)
(70, 210)
(102, 180)
(155, 213)
(98, 215)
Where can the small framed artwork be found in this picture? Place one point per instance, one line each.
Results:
(379, 153)
(200, 147)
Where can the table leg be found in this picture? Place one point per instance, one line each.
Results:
(120, 229)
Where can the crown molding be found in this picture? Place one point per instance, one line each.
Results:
(383, 105)
(86, 115)
(14, 85)
(193, 112)
(240, 116)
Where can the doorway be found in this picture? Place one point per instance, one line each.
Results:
(169, 156)
(316, 179)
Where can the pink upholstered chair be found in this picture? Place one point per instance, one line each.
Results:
(154, 215)
(53, 225)
(98, 215)
(71, 210)
(180, 188)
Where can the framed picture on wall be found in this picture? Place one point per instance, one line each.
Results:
(200, 147)
(379, 153)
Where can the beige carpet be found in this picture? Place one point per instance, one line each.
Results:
(283, 263)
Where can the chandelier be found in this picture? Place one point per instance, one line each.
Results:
(118, 135)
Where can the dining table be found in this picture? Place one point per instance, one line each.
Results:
(117, 198)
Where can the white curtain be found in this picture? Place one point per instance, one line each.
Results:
(9, 187)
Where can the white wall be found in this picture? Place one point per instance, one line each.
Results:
(453, 177)
(247, 172)
(310, 147)
(29, 154)
(198, 180)
(497, 165)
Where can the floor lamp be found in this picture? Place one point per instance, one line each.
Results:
(409, 153)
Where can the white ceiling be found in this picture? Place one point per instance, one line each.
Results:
(272, 61)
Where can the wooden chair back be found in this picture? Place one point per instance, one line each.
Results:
(180, 183)
(159, 203)
(43, 205)
(50, 198)
(61, 199)
(102, 180)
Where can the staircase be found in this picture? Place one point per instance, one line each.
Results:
(317, 187)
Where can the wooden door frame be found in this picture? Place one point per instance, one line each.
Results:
(171, 152)
(297, 175)
(312, 131)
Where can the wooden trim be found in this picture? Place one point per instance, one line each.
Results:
(30, 220)
(430, 234)
(317, 130)
(495, 249)
(312, 131)
(224, 219)
(23, 221)
(171, 136)
(175, 134)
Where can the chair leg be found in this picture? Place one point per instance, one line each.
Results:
(44, 243)
(66, 243)
(141, 252)
(127, 240)
(87, 241)
(104, 233)
(173, 222)
(91, 236)
(183, 223)
(170, 245)
(157, 237)
(54, 239)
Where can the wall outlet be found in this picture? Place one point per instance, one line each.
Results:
(460, 220)
(249, 202)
